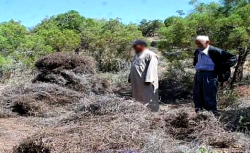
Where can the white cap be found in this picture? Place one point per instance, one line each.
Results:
(203, 38)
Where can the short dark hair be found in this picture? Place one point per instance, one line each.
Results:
(139, 42)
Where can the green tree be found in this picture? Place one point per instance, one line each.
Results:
(108, 41)
(11, 36)
(34, 47)
(227, 29)
(176, 38)
(59, 40)
(150, 28)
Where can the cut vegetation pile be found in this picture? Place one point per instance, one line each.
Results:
(31, 146)
(107, 124)
(40, 99)
(200, 128)
(66, 61)
(91, 118)
(61, 84)
(111, 124)
(116, 125)
(71, 71)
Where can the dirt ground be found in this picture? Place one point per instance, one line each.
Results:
(12, 132)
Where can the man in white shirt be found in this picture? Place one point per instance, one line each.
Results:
(144, 76)
(212, 65)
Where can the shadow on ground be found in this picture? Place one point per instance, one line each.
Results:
(175, 91)
(170, 91)
(236, 119)
(124, 91)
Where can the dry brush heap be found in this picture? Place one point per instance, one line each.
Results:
(91, 118)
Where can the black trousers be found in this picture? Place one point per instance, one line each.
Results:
(205, 91)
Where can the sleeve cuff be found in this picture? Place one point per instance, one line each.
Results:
(149, 81)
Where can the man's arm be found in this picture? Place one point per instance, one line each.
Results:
(229, 60)
(129, 76)
(223, 59)
(152, 71)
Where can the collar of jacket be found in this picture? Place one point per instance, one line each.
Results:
(213, 52)
(223, 61)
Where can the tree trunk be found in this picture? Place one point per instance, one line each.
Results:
(238, 73)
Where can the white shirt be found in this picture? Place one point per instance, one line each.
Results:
(204, 61)
(205, 51)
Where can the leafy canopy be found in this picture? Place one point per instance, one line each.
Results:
(107, 41)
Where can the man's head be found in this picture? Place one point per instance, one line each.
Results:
(139, 46)
(202, 42)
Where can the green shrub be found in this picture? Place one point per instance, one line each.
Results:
(5, 67)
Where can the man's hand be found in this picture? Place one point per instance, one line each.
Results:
(147, 83)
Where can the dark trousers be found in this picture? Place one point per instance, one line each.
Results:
(205, 91)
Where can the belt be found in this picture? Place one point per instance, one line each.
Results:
(200, 71)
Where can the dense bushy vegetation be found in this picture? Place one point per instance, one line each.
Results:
(107, 41)
(150, 28)
(227, 24)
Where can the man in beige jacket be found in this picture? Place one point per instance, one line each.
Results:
(144, 76)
